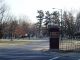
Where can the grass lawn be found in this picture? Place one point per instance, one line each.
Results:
(7, 42)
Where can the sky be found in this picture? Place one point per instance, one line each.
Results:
(29, 7)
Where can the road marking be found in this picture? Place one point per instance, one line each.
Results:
(54, 58)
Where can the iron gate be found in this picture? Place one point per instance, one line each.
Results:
(69, 44)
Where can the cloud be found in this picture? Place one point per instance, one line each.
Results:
(30, 7)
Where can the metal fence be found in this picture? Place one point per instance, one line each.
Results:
(66, 44)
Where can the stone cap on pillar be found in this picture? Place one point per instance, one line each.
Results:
(53, 27)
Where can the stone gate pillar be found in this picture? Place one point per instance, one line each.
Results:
(54, 37)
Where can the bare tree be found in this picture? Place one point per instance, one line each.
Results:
(68, 24)
(78, 22)
(2, 13)
(77, 25)
(9, 27)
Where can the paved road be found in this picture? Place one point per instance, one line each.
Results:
(34, 45)
(34, 51)
(23, 54)
(69, 56)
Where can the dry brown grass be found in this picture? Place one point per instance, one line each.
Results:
(14, 42)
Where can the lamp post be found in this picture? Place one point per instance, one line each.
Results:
(60, 21)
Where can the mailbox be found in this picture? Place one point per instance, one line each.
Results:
(54, 37)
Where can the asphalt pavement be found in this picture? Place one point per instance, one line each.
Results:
(37, 50)
(18, 53)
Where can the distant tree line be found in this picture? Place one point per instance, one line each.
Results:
(12, 26)
(69, 25)
(16, 28)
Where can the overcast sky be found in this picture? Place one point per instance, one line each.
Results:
(30, 7)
